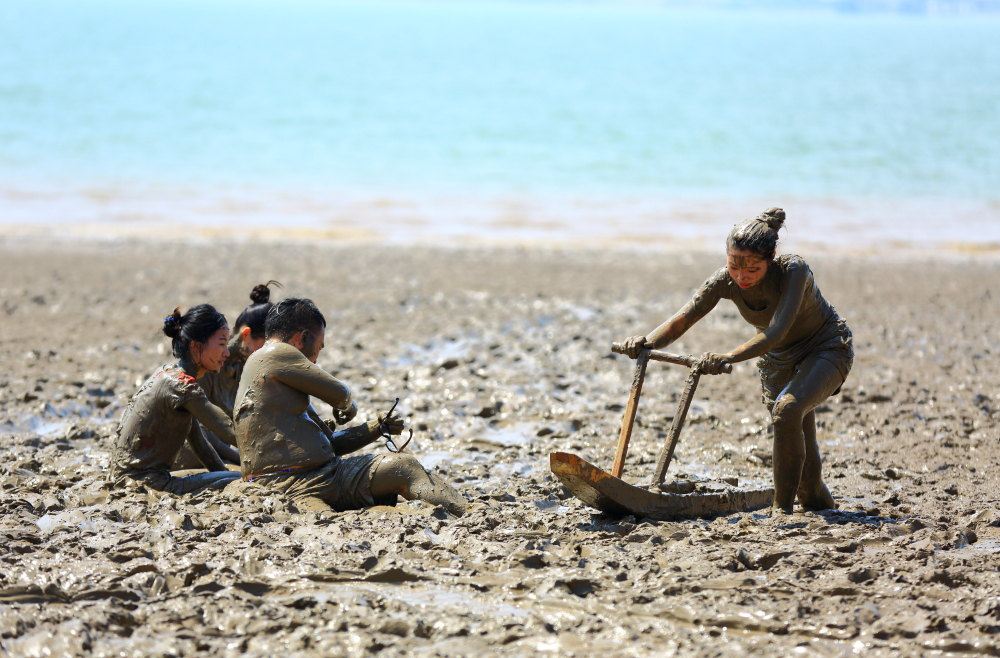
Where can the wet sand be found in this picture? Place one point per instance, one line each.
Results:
(500, 357)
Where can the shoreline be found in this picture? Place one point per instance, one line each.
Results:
(98, 236)
(659, 222)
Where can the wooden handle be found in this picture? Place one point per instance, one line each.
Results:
(625, 433)
(685, 360)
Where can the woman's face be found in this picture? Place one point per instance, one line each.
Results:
(746, 268)
(212, 354)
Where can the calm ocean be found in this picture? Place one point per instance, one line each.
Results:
(571, 114)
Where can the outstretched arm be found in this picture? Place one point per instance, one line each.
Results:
(354, 438)
(781, 321)
(703, 301)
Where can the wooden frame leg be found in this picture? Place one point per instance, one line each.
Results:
(667, 452)
(625, 434)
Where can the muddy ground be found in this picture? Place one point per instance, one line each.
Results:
(500, 357)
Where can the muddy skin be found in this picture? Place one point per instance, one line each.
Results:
(348, 440)
(168, 408)
(742, 261)
(805, 352)
(286, 446)
(220, 388)
(401, 474)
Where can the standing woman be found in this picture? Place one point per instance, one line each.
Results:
(805, 348)
(170, 407)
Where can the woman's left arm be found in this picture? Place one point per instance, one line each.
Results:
(218, 423)
(781, 322)
(204, 450)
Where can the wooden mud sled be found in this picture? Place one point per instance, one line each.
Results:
(610, 494)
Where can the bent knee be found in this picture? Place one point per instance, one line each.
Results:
(402, 463)
(788, 410)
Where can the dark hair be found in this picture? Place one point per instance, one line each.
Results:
(759, 235)
(292, 315)
(255, 314)
(199, 323)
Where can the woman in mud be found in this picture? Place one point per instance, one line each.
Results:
(287, 449)
(805, 348)
(164, 411)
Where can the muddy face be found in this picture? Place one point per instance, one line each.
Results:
(746, 268)
(212, 354)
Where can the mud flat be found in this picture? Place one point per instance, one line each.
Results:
(500, 357)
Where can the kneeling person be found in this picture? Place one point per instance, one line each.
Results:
(284, 445)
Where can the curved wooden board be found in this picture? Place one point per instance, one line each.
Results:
(615, 497)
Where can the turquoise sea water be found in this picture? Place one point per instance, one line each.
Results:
(475, 100)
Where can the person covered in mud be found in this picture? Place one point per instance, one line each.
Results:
(805, 348)
(221, 386)
(170, 407)
(288, 449)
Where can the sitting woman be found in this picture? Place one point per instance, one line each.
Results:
(170, 407)
(221, 386)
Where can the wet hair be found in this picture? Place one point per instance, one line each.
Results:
(199, 323)
(255, 314)
(759, 235)
(292, 315)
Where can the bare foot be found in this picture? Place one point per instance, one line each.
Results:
(816, 498)
(778, 510)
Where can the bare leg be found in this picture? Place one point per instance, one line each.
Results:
(812, 493)
(403, 475)
(812, 384)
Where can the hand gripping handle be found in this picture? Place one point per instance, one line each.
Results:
(666, 357)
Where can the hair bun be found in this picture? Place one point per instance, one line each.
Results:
(261, 293)
(172, 324)
(773, 217)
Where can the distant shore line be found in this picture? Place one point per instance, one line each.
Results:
(100, 237)
(603, 221)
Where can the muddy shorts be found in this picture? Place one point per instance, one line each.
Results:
(180, 483)
(774, 379)
(343, 483)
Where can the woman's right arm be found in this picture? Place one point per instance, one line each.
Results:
(703, 301)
